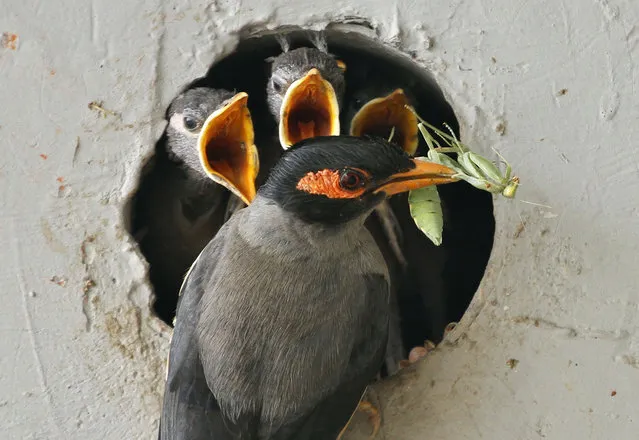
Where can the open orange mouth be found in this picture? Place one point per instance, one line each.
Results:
(227, 150)
(379, 116)
(309, 109)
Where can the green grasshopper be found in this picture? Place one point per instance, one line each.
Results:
(425, 204)
(426, 211)
(471, 167)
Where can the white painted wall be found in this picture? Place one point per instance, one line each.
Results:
(560, 296)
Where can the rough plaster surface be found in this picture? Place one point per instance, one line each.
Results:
(80, 355)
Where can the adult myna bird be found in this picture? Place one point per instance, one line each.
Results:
(283, 318)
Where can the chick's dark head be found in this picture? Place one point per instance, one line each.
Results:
(211, 132)
(186, 116)
(304, 93)
(336, 179)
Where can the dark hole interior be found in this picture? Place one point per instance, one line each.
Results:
(439, 282)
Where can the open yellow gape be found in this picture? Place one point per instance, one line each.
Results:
(309, 109)
(378, 117)
(227, 150)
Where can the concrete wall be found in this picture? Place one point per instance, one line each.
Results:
(550, 345)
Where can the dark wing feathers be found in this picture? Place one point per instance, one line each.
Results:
(189, 410)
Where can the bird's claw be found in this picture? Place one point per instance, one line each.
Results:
(374, 417)
(416, 354)
(420, 352)
(449, 328)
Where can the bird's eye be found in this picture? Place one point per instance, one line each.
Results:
(190, 123)
(277, 86)
(351, 179)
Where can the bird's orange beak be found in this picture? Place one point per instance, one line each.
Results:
(227, 148)
(424, 174)
(379, 116)
(309, 109)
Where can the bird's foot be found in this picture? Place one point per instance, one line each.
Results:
(449, 328)
(374, 417)
(416, 354)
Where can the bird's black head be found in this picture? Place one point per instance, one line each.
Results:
(304, 93)
(211, 132)
(336, 179)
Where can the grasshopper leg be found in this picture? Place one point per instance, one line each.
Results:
(508, 168)
(449, 328)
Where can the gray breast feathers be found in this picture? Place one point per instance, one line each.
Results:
(277, 332)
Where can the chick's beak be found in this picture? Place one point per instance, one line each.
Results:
(227, 150)
(309, 109)
(424, 174)
(378, 117)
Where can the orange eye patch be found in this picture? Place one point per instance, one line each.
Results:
(327, 183)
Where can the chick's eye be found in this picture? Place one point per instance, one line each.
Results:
(277, 86)
(351, 180)
(190, 123)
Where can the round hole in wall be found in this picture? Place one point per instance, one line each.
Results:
(438, 283)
